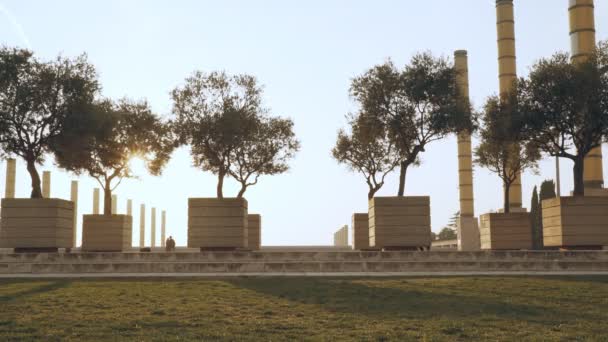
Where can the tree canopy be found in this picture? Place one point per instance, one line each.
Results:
(265, 150)
(566, 107)
(103, 141)
(229, 131)
(501, 149)
(36, 99)
(417, 105)
(449, 231)
(366, 149)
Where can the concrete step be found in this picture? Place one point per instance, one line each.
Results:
(303, 267)
(135, 263)
(353, 256)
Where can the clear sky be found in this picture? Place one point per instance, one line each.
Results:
(305, 53)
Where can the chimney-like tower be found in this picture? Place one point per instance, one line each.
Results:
(468, 231)
(507, 72)
(465, 163)
(582, 39)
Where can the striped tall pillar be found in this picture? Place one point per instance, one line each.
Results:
(582, 41)
(507, 73)
(46, 184)
(74, 198)
(142, 226)
(163, 222)
(153, 228)
(96, 201)
(465, 161)
(114, 204)
(11, 173)
(468, 232)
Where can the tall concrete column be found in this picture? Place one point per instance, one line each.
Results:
(163, 222)
(142, 226)
(507, 73)
(46, 184)
(96, 201)
(468, 231)
(153, 228)
(11, 173)
(129, 207)
(582, 41)
(74, 198)
(114, 204)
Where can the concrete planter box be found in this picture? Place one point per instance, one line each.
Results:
(106, 233)
(400, 222)
(215, 223)
(36, 223)
(505, 231)
(360, 231)
(575, 222)
(254, 231)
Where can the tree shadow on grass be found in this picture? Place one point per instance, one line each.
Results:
(43, 288)
(411, 302)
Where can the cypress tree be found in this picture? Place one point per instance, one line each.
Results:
(535, 215)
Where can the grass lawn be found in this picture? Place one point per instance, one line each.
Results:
(314, 309)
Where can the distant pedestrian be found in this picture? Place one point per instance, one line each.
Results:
(170, 244)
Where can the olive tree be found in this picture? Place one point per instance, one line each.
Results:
(103, 140)
(36, 99)
(502, 149)
(566, 107)
(418, 105)
(368, 150)
(229, 131)
(265, 149)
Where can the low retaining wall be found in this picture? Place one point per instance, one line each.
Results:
(303, 263)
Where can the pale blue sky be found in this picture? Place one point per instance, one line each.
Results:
(305, 53)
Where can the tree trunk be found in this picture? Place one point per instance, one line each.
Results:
(371, 193)
(506, 205)
(107, 199)
(31, 168)
(579, 182)
(220, 184)
(242, 191)
(402, 174)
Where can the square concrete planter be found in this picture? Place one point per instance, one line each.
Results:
(575, 222)
(106, 233)
(400, 222)
(215, 223)
(254, 231)
(360, 232)
(500, 231)
(36, 223)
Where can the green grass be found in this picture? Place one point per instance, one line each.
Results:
(315, 309)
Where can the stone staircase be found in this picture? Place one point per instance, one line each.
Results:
(330, 263)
